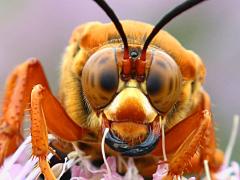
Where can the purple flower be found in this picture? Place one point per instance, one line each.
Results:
(21, 165)
(162, 171)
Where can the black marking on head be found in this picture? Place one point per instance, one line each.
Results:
(108, 80)
(154, 84)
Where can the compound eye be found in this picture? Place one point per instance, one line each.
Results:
(100, 78)
(163, 82)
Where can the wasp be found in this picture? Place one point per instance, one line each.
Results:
(129, 77)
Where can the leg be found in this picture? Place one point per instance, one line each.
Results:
(195, 142)
(208, 152)
(47, 113)
(209, 149)
(17, 97)
(182, 143)
(180, 162)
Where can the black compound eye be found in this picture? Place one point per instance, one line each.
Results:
(154, 84)
(163, 83)
(108, 80)
(100, 78)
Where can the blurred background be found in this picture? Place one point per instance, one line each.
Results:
(42, 29)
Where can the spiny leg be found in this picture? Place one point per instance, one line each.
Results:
(183, 141)
(57, 120)
(39, 134)
(178, 137)
(209, 151)
(175, 137)
(180, 161)
(17, 97)
(48, 114)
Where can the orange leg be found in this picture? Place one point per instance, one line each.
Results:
(181, 159)
(191, 142)
(17, 97)
(39, 133)
(208, 152)
(47, 113)
(186, 159)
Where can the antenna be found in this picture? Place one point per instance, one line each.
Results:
(167, 18)
(117, 24)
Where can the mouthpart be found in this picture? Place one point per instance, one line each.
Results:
(131, 138)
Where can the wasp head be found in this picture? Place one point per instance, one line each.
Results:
(130, 108)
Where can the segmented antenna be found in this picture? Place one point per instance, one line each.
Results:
(167, 18)
(117, 24)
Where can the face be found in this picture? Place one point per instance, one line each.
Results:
(132, 110)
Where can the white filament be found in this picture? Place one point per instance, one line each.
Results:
(163, 141)
(232, 140)
(207, 172)
(103, 151)
(63, 168)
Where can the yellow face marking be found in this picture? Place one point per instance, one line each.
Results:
(135, 96)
